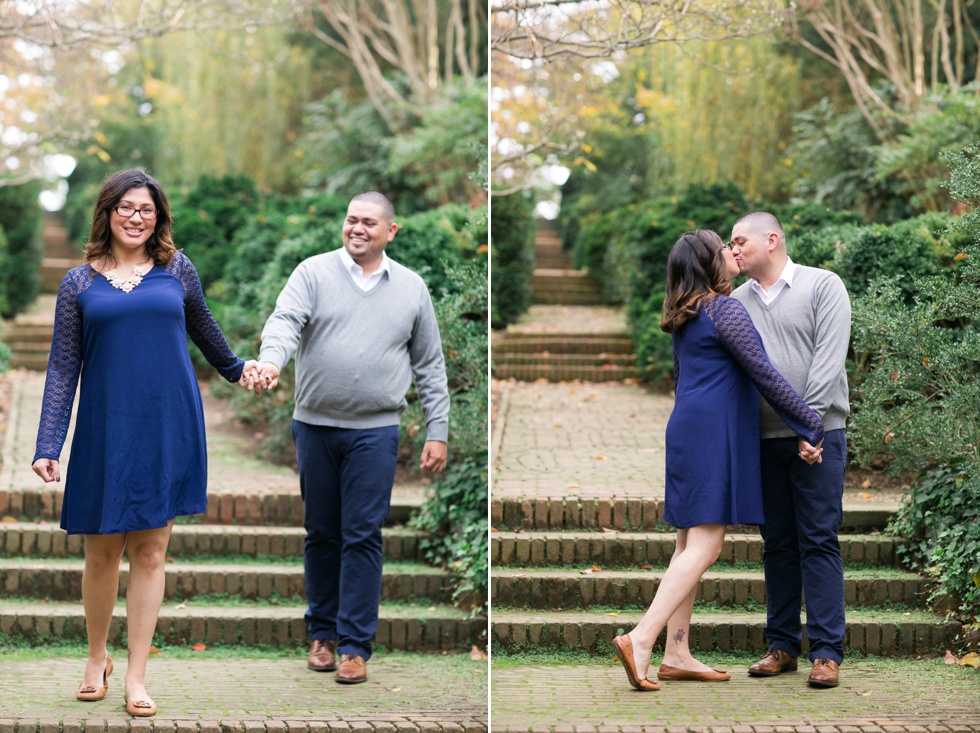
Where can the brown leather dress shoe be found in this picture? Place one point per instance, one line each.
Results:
(323, 656)
(624, 649)
(353, 669)
(666, 672)
(775, 662)
(824, 673)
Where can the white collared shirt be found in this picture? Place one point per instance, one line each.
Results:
(357, 272)
(785, 281)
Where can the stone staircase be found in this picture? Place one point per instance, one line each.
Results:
(234, 577)
(574, 574)
(29, 334)
(568, 345)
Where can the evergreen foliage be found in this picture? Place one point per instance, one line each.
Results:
(513, 258)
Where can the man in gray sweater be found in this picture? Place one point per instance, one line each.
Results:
(360, 325)
(804, 317)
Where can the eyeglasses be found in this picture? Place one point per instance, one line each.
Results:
(127, 210)
(731, 245)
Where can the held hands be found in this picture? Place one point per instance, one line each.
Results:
(433, 456)
(811, 454)
(257, 376)
(48, 469)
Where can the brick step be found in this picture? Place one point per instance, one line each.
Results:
(564, 373)
(631, 549)
(570, 343)
(565, 298)
(553, 261)
(571, 589)
(28, 334)
(194, 541)
(880, 632)
(577, 512)
(400, 626)
(563, 360)
(568, 280)
(35, 362)
(53, 271)
(547, 241)
(61, 580)
(223, 507)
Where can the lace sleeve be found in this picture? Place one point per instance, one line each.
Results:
(201, 326)
(677, 369)
(64, 368)
(737, 335)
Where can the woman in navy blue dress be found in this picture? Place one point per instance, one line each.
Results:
(712, 440)
(138, 455)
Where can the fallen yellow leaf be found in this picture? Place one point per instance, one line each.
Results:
(613, 614)
(199, 647)
(476, 655)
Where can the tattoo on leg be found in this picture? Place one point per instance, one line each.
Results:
(679, 636)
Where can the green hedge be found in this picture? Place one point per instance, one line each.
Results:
(513, 258)
(20, 219)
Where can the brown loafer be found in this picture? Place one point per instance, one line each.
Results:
(88, 693)
(775, 662)
(353, 669)
(666, 672)
(824, 673)
(323, 657)
(624, 649)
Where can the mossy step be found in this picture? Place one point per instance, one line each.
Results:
(62, 580)
(545, 589)
(563, 360)
(869, 631)
(566, 343)
(224, 507)
(564, 372)
(630, 549)
(563, 512)
(47, 539)
(400, 626)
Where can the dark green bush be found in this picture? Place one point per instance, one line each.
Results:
(20, 218)
(202, 240)
(513, 258)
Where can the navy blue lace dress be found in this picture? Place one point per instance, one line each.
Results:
(138, 455)
(713, 474)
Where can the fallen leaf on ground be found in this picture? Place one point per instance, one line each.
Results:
(476, 655)
(600, 457)
(865, 495)
(646, 567)
(866, 484)
(609, 529)
(154, 650)
(951, 658)
(571, 486)
(181, 605)
(970, 660)
(614, 614)
(199, 647)
(558, 426)
(8, 519)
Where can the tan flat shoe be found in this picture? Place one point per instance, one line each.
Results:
(667, 672)
(624, 648)
(87, 693)
(140, 708)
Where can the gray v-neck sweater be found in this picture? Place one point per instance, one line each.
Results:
(806, 331)
(356, 351)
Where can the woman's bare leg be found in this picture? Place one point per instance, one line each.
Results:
(700, 547)
(100, 588)
(147, 552)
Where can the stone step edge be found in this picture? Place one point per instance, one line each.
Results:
(576, 512)
(223, 507)
(47, 539)
(574, 591)
(123, 723)
(624, 548)
(62, 581)
(884, 638)
(232, 625)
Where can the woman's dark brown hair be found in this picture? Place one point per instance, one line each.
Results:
(159, 247)
(696, 270)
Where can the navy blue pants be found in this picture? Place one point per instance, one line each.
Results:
(803, 510)
(346, 477)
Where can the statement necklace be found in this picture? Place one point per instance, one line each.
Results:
(132, 281)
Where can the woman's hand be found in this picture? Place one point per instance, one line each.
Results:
(811, 454)
(250, 376)
(48, 469)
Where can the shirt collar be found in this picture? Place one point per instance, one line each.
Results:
(353, 267)
(789, 270)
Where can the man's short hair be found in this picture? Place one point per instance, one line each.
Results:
(763, 221)
(378, 199)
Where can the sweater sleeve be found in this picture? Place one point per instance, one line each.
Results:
(832, 334)
(294, 308)
(201, 326)
(64, 368)
(429, 367)
(737, 335)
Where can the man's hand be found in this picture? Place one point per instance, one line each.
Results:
(250, 373)
(267, 377)
(433, 456)
(811, 454)
(48, 469)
